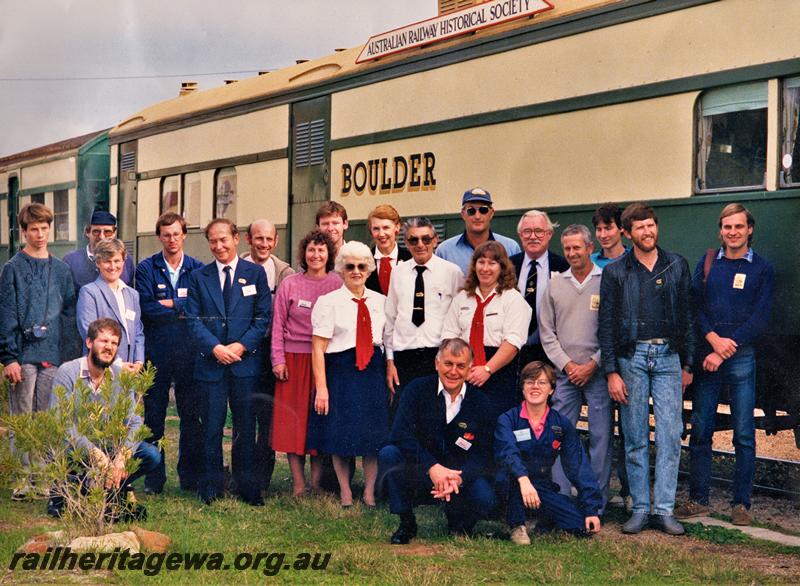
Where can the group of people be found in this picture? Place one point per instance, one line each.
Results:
(456, 371)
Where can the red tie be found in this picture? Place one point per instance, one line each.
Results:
(476, 332)
(364, 349)
(384, 272)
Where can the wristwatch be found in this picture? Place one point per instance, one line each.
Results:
(487, 369)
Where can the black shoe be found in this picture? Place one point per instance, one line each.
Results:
(208, 496)
(667, 523)
(406, 532)
(636, 523)
(55, 507)
(151, 490)
(253, 501)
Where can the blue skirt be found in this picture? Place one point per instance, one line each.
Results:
(501, 388)
(357, 423)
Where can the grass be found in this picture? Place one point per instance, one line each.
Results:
(357, 540)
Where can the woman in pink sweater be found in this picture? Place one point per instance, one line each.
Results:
(291, 353)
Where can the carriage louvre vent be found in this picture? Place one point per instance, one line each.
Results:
(439, 227)
(129, 244)
(446, 6)
(309, 143)
(128, 162)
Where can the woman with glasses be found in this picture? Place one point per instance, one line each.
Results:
(493, 317)
(109, 296)
(347, 363)
(291, 354)
(527, 441)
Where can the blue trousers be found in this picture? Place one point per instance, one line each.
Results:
(172, 365)
(556, 509)
(264, 403)
(738, 373)
(653, 371)
(150, 458)
(408, 484)
(238, 392)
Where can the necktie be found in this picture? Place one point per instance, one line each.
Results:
(364, 349)
(384, 272)
(418, 313)
(530, 293)
(227, 290)
(476, 331)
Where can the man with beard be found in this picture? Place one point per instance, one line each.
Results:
(647, 342)
(102, 341)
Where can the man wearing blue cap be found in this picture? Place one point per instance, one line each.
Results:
(477, 213)
(102, 226)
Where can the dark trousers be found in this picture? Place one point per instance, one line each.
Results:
(556, 510)
(263, 404)
(173, 366)
(530, 352)
(238, 392)
(411, 364)
(408, 484)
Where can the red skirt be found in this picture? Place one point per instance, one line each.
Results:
(292, 406)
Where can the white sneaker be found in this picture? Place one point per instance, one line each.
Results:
(519, 535)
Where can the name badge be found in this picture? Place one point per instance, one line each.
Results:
(304, 303)
(594, 303)
(248, 290)
(242, 281)
(738, 280)
(130, 315)
(161, 286)
(463, 444)
(522, 435)
(183, 292)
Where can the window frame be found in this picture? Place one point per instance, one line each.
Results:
(164, 180)
(60, 213)
(217, 175)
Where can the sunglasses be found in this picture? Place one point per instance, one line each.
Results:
(414, 240)
(362, 267)
(471, 211)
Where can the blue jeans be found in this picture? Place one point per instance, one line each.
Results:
(653, 370)
(567, 400)
(738, 373)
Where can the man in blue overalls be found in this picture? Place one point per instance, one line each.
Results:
(162, 281)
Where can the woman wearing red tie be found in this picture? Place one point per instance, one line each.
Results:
(493, 316)
(384, 226)
(347, 363)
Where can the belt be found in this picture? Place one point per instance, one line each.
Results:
(654, 341)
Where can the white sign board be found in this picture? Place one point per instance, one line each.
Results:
(450, 25)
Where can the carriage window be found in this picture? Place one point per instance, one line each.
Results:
(170, 190)
(191, 199)
(790, 150)
(225, 194)
(61, 214)
(732, 138)
(37, 198)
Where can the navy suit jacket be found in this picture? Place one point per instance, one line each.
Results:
(373, 282)
(421, 433)
(84, 271)
(558, 264)
(247, 323)
(97, 300)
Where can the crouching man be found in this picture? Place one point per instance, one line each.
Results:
(102, 341)
(440, 446)
(527, 441)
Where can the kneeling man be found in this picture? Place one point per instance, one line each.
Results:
(441, 445)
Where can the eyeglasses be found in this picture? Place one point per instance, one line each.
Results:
(537, 383)
(538, 232)
(362, 267)
(471, 211)
(414, 240)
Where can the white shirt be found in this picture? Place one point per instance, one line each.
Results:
(221, 271)
(269, 269)
(334, 317)
(452, 406)
(442, 281)
(505, 318)
(392, 255)
(542, 277)
(118, 295)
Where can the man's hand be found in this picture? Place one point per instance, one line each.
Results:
(237, 348)
(13, 372)
(617, 388)
(321, 402)
(444, 495)
(167, 303)
(529, 495)
(686, 380)
(725, 347)
(712, 362)
(445, 480)
(132, 367)
(580, 374)
(281, 372)
(392, 380)
(224, 355)
(593, 524)
(478, 376)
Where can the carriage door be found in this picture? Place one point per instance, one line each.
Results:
(13, 209)
(310, 161)
(126, 198)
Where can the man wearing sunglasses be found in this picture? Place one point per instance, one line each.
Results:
(419, 296)
(477, 213)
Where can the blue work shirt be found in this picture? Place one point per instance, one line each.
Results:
(459, 251)
(601, 260)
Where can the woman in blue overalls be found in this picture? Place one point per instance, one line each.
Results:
(528, 439)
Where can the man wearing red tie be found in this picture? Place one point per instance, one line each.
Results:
(384, 225)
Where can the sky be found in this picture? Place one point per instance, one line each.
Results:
(46, 46)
